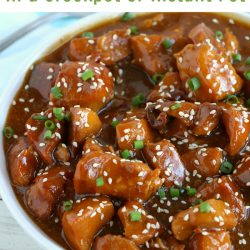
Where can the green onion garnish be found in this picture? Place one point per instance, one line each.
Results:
(248, 102)
(236, 58)
(88, 34)
(205, 207)
(125, 154)
(135, 216)
(174, 192)
(226, 167)
(8, 132)
(47, 135)
(56, 92)
(247, 75)
(40, 117)
(175, 106)
(138, 100)
(88, 74)
(161, 193)
(191, 191)
(133, 30)
(127, 16)
(232, 99)
(218, 35)
(67, 205)
(167, 43)
(99, 182)
(139, 144)
(194, 84)
(58, 112)
(156, 78)
(67, 116)
(197, 201)
(114, 123)
(248, 61)
(50, 125)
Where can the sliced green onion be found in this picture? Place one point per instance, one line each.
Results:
(127, 16)
(161, 193)
(139, 144)
(47, 135)
(191, 191)
(138, 100)
(8, 132)
(125, 154)
(197, 201)
(247, 75)
(114, 123)
(133, 30)
(157, 78)
(232, 99)
(167, 43)
(248, 102)
(226, 167)
(99, 182)
(135, 216)
(248, 61)
(174, 192)
(194, 84)
(175, 106)
(56, 92)
(67, 205)
(40, 117)
(218, 34)
(50, 125)
(88, 34)
(58, 112)
(88, 74)
(236, 58)
(205, 207)
(67, 116)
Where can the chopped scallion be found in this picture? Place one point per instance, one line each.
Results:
(125, 154)
(139, 144)
(88, 34)
(226, 167)
(47, 135)
(56, 92)
(58, 112)
(194, 84)
(99, 182)
(205, 207)
(138, 100)
(156, 78)
(175, 106)
(88, 74)
(67, 205)
(50, 125)
(8, 132)
(127, 16)
(135, 216)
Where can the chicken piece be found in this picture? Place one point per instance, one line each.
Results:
(136, 221)
(132, 130)
(225, 189)
(150, 54)
(207, 119)
(62, 153)
(216, 77)
(47, 190)
(210, 240)
(241, 174)
(236, 122)
(155, 21)
(109, 48)
(94, 92)
(114, 242)
(36, 127)
(85, 219)
(169, 88)
(22, 162)
(164, 156)
(207, 215)
(226, 46)
(105, 173)
(91, 145)
(184, 111)
(204, 161)
(84, 123)
(169, 244)
(42, 78)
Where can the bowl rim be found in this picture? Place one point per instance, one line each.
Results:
(15, 82)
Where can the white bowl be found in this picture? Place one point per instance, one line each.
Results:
(14, 84)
